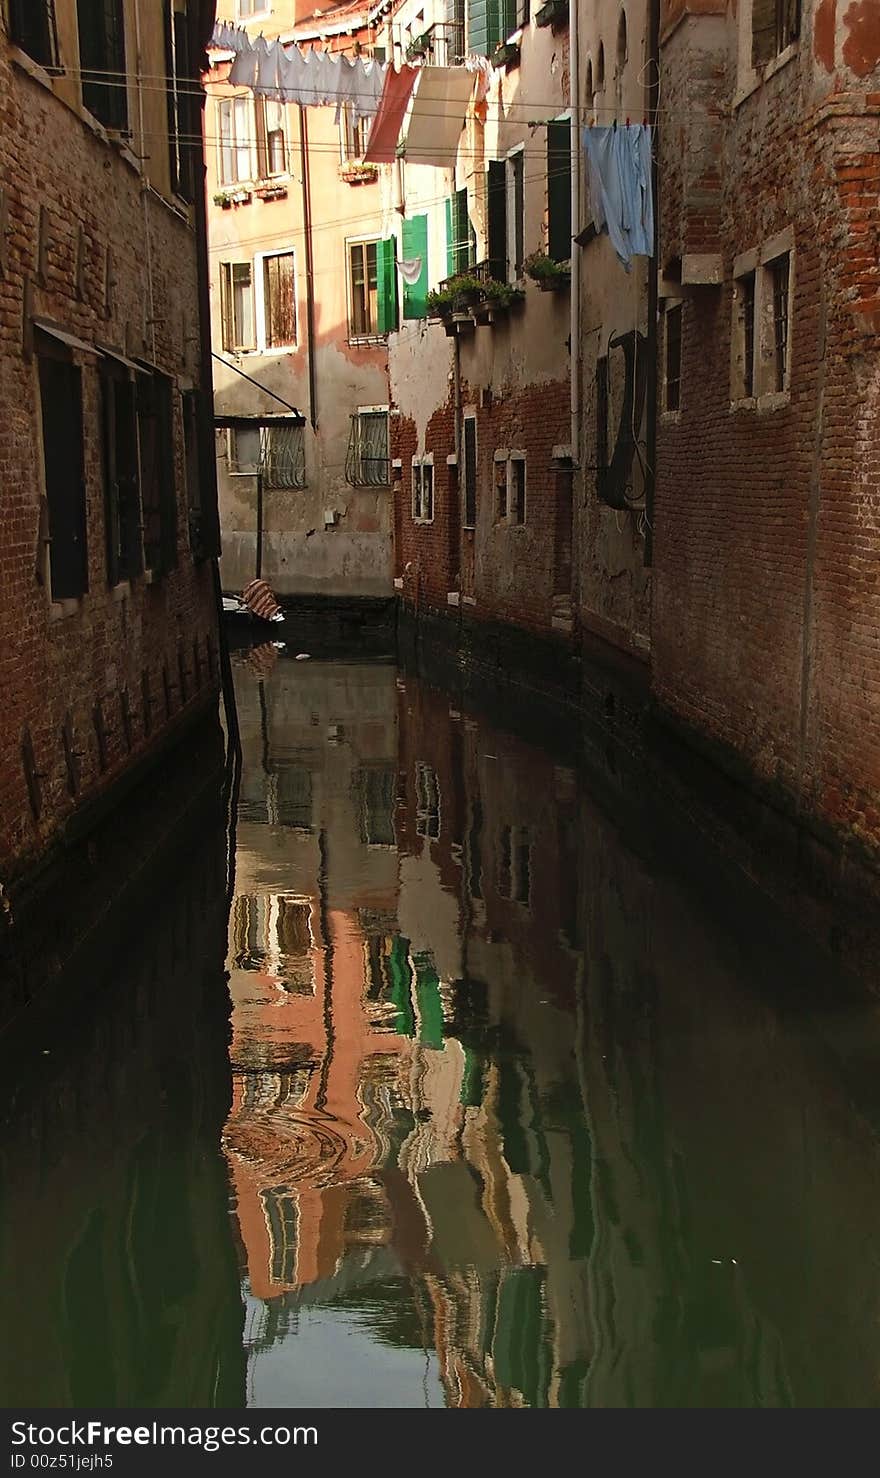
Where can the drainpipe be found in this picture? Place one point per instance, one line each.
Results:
(575, 352)
(310, 265)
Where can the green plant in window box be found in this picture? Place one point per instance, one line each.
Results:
(507, 54)
(419, 46)
(554, 13)
(549, 275)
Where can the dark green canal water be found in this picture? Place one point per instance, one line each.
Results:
(513, 1107)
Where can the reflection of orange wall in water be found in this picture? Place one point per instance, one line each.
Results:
(298, 1146)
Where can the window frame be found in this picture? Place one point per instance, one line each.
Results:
(418, 499)
(672, 306)
(516, 220)
(469, 416)
(228, 333)
(264, 134)
(22, 11)
(354, 459)
(373, 335)
(235, 104)
(261, 317)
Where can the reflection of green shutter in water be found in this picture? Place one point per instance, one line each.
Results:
(386, 285)
(401, 977)
(429, 1003)
(415, 244)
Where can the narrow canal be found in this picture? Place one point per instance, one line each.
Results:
(521, 1112)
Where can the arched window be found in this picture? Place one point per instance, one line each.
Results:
(590, 89)
(621, 42)
(600, 68)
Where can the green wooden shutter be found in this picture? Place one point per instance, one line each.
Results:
(478, 26)
(559, 191)
(386, 283)
(497, 222)
(415, 244)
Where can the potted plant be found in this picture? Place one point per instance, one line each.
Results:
(507, 54)
(466, 291)
(553, 13)
(549, 275)
(419, 46)
(439, 304)
(271, 190)
(356, 172)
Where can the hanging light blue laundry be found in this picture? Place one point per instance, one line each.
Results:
(621, 197)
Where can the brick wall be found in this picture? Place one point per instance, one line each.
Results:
(500, 571)
(766, 571)
(53, 663)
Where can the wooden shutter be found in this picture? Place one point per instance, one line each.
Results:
(386, 285)
(470, 472)
(478, 27)
(280, 300)
(559, 190)
(464, 240)
(763, 31)
(497, 222)
(61, 403)
(32, 27)
(415, 244)
(102, 56)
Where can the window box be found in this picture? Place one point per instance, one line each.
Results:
(506, 55)
(271, 192)
(556, 284)
(551, 276)
(355, 173)
(554, 13)
(227, 198)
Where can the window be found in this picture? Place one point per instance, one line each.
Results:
(621, 43)
(294, 805)
(236, 140)
(122, 493)
(779, 272)
(353, 135)
(470, 471)
(515, 864)
(244, 9)
(776, 25)
(516, 210)
(672, 357)
(374, 794)
(423, 489)
(368, 461)
(372, 281)
(278, 307)
(273, 151)
(199, 540)
(427, 801)
(489, 22)
(496, 224)
(500, 488)
(744, 336)
(559, 190)
(183, 119)
(461, 240)
(61, 405)
(517, 497)
(102, 60)
(155, 420)
(237, 306)
(600, 68)
(276, 451)
(32, 27)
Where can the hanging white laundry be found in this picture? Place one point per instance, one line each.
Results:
(410, 270)
(438, 114)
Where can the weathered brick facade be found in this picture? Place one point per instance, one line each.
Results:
(97, 244)
(766, 518)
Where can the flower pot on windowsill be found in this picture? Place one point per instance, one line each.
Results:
(359, 174)
(554, 13)
(506, 55)
(555, 284)
(271, 192)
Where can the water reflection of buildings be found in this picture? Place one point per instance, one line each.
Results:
(472, 1025)
(118, 1270)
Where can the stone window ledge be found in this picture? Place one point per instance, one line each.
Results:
(60, 609)
(757, 78)
(775, 400)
